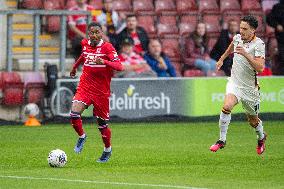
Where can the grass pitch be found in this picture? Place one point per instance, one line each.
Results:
(145, 155)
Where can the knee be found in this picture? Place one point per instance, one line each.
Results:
(75, 115)
(253, 121)
(102, 123)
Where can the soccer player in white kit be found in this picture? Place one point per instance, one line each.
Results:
(249, 59)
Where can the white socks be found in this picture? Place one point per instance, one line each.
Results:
(259, 131)
(82, 136)
(224, 122)
(107, 149)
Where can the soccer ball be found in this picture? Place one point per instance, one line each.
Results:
(31, 109)
(57, 158)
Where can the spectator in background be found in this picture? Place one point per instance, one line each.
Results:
(276, 20)
(78, 27)
(113, 21)
(223, 43)
(137, 33)
(158, 61)
(134, 64)
(196, 48)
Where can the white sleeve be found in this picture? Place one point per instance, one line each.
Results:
(260, 50)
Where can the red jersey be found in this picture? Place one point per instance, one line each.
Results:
(80, 21)
(96, 78)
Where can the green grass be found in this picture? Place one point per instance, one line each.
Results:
(175, 154)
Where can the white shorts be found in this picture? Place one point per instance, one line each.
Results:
(250, 99)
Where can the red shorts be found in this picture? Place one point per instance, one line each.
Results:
(100, 103)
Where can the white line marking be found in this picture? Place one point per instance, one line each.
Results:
(98, 182)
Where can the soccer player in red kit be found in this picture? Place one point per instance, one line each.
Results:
(99, 59)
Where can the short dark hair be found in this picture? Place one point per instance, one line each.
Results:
(130, 15)
(94, 24)
(251, 20)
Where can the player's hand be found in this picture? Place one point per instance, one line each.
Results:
(99, 61)
(240, 50)
(219, 64)
(73, 73)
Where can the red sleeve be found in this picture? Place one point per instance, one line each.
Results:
(79, 61)
(114, 61)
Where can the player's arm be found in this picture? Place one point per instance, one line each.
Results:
(228, 51)
(113, 62)
(79, 61)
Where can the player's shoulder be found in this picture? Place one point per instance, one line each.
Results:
(259, 41)
(84, 42)
(107, 45)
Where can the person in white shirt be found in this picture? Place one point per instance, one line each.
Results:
(243, 86)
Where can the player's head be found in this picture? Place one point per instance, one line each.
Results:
(95, 32)
(247, 27)
(131, 22)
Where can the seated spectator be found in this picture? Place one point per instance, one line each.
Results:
(112, 21)
(158, 61)
(134, 64)
(137, 33)
(196, 48)
(78, 27)
(222, 44)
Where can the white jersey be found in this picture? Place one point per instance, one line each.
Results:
(243, 74)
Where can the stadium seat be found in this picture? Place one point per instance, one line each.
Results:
(143, 7)
(148, 23)
(1, 81)
(12, 89)
(208, 6)
(186, 6)
(187, 24)
(97, 4)
(235, 15)
(230, 5)
(169, 19)
(165, 7)
(193, 73)
(70, 3)
(52, 22)
(32, 4)
(167, 30)
(212, 22)
(177, 66)
(251, 5)
(167, 26)
(171, 48)
(122, 5)
(34, 87)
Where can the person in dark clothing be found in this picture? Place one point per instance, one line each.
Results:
(222, 44)
(137, 33)
(276, 20)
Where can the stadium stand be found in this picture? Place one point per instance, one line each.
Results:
(143, 7)
(12, 89)
(186, 7)
(170, 20)
(34, 87)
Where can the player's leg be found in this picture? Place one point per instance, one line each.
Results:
(252, 111)
(101, 112)
(225, 117)
(78, 106)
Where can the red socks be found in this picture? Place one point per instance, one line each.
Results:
(106, 136)
(76, 122)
